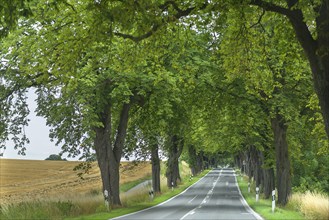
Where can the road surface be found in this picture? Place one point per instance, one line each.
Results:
(215, 196)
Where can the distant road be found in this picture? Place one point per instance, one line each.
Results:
(215, 196)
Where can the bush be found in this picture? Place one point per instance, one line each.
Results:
(55, 157)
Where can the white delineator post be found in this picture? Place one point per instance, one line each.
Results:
(151, 194)
(257, 194)
(249, 187)
(172, 186)
(106, 199)
(273, 201)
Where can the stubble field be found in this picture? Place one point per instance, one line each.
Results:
(24, 180)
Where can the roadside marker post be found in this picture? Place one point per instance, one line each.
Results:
(257, 194)
(248, 187)
(106, 199)
(273, 201)
(172, 186)
(151, 194)
(244, 166)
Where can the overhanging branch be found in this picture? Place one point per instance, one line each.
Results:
(164, 7)
(271, 7)
(138, 38)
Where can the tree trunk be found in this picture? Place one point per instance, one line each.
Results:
(241, 157)
(282, 159)
(103, 147)
(205, 162)
(175, 150)
(268, 171)
(155, 168)
(199, 162)
(192, 160)
(109, 158)
(255, 165)
(116, 154)
(237, 161)
(258, 173)
(269, 182)
(114, 182)
(248, 164)
(322, 54)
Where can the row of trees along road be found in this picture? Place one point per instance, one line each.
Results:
(195, 78)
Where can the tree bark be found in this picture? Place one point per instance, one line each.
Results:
(257, 158)
(115, 157)
(109, 158)
(282, 159)
(240, 158)
(237, 161)
(192, 160)
(155, 168)
(248, 164)
(269, 182)
(103, 146)
(268, 171)
(175, 150)
(195, 160)
(199, 162)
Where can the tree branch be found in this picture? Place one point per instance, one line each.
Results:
(259, 20)
(164, 7)
(270, 7)
(121, 131)
(291, 3)
(296, 18)
(138, 38)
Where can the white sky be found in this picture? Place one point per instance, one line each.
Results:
(40, 146)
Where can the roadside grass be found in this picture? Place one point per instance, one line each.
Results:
(313, 205)
(143, 202)
(37, 210)
(90, 205)
(264, 206)
(62, 206)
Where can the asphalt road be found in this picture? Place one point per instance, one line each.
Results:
(215, 196)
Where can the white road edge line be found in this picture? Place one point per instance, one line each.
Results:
(192, 199)
(119, 217)
(244, 202)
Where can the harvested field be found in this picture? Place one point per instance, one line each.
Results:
(23, 180)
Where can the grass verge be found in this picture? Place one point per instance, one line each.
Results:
(133, 207)
(313, 205)
(264, 206)
(63, 206)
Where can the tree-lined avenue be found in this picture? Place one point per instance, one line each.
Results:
(215, 196)
(201, 81)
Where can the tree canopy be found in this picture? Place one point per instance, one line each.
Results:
(200, 77)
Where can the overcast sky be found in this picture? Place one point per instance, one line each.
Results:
(40, 146)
